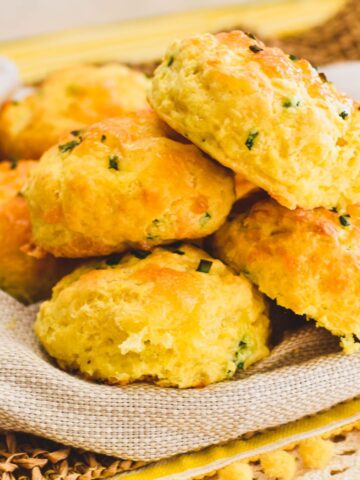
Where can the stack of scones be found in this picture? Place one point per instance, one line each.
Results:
(165, 213)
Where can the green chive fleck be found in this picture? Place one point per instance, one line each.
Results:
(103, 138)
(242, 344)
(114, 162)
(204, 266)
(293, 57)
(76, 133)
(255, 48)
(343, 219)
(251, 35)
(251, 139)
(344, 115)
(170, 61)
(113, 259)
(323, 77)
(13, 164)
(239, 357)
(204, 219)
(287, 103)
(141, 254)
(69, 146)
(15, 102)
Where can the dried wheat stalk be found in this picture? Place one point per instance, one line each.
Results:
(25, 457)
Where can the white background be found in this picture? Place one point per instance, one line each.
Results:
(21, 18)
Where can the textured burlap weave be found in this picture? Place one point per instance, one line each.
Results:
(335, 40)
(306, 373)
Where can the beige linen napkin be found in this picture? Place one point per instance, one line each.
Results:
(306, 373)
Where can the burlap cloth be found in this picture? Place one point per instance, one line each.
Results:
(305, 373)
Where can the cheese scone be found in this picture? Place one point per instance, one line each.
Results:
(127, 182)
(308, 261)
(175, 316)
(25, 277)
(68, 100)
(268, 116)
(244, 188)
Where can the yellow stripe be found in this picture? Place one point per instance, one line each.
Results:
(323, 422)
(146, 39)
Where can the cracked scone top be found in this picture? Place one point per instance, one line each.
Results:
(175, 316)
(308, 261)
(268, 116)
(125, 182)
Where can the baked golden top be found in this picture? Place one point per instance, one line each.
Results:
(68, 100)
(175, 316)
(122, 183)
(268, 116)
(13, 176)
(308, 261)
(25, 277)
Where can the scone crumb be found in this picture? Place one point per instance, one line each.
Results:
(316, 452)
(279, 465)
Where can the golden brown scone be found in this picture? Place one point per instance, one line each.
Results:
(175, 316)
(68, 100)
(266, 115)
(308, 261)
(125, 182)
(25, 277)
